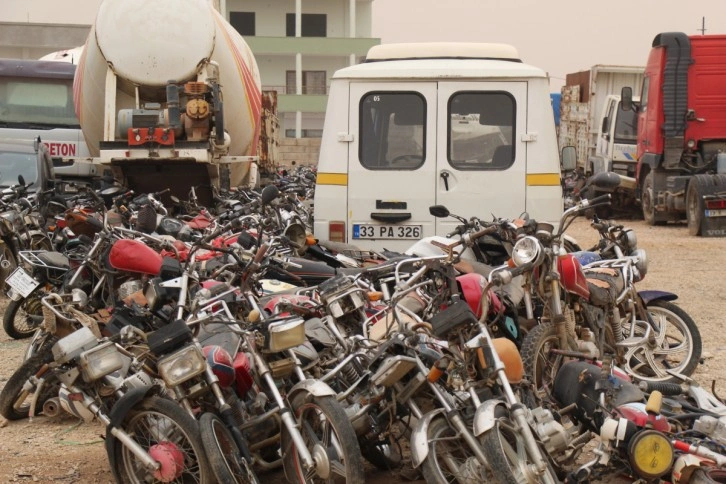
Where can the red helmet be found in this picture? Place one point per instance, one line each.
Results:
(221, 363)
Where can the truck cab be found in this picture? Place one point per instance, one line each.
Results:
(617, 139)
(468, 126)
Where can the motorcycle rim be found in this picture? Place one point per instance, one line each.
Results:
(449, 458)
(221, 450)
(23, 317)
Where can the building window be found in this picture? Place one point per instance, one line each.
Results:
(305, 133)
(243, 22)
(392, 131)
(313, 82)
(311, 25)
(481, 125)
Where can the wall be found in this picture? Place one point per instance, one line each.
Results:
(304, 151)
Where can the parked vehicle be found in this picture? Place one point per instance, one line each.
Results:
(467, 126)
(681, 165)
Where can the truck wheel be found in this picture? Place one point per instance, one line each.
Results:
(694, 205)
(647, 201)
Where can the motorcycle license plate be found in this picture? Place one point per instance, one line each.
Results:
(366, 231)
(716, 213)
(21, 282)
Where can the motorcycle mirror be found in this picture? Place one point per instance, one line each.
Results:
(607, 181)
(269, 193)
(21, 180)
(107, 192)
(439, 211)
(175, 200)
(246, 240)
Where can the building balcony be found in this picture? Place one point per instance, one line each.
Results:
(314, 99)
(319, 46)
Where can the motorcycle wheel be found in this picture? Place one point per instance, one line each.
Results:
(14, 398)
(161, 425)
(510, 461)
(329, 437)
(8, 262)
(450, 459)
(23, 317)
(677, 347)
(539, 365)
(220, 448)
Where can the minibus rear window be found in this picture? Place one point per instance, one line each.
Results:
(392, 130)
(480, 130)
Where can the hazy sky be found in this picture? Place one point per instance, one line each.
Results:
(559, 36)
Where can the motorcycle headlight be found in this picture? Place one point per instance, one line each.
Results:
(629, 240)
(641, 265)
(181, 366)
(527, 249)
(100, 361)
(651, 454)
(286, 334)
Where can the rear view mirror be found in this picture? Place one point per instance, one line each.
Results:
(626, 98)
(439, 211)
(569, 158)
(269, 193)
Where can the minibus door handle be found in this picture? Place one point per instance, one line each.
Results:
(445, 175)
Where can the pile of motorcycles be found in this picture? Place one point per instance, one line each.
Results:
(217, 344)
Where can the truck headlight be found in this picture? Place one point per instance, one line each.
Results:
(100, 361)
(181, 366)
(286, 334)
(527, 249)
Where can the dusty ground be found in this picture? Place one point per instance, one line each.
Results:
(61, 450)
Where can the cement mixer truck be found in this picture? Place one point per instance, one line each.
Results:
(168, 95)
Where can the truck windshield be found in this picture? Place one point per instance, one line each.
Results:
(626, 126)
(13, 163)
(37, 103)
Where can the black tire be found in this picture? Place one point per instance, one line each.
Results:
(156, 417)
(449, 459)
(505, 448)
(23, 317)
(694, 205)
(539, 365)
(678, 345)
(647, 202)
(383, 456)
(221, 450)
(321, 419)
(14, 400)
(8, 262)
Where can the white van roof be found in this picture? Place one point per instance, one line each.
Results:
(430, 60)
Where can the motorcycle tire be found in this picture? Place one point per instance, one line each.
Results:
(14, 399)
(23, 317)
(541, 367)
(8, 262)
(155, 422)
(450, 459)
(322, 419)
(221, 450)
(677, 330)
(383, 456)
(508, 456)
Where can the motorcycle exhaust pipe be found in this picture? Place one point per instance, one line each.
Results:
(52, 407)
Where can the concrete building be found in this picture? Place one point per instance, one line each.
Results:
(298, 45)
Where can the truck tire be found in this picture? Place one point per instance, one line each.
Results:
(647, 202)
(694, 203)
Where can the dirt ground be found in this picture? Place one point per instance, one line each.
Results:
(63, 450)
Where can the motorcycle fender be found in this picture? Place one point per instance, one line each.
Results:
(485, 416)
(572, 241)
(649, 296)
(420, 438)
(118, 413)
(15, 296)
(29, 235)
(316, 388)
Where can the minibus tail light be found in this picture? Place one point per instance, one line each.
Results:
(336, 231)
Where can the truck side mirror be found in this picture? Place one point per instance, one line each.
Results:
(626, 98)
(605, 125)
(569, 158)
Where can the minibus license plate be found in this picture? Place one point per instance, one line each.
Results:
(716, 213)
(363, 231)
(21, 282)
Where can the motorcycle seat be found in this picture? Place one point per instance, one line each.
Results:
(54, 259)
(605, 284)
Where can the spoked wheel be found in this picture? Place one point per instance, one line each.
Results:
(23, 317)
(510, 461)
(171, 436)
(221, 450)
(8, 262)
(539, 363)
(675, 344)
(330, 439)
(450, 459)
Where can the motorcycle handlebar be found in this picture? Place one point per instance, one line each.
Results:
(601, 199)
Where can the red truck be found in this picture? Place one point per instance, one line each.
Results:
(681, 170)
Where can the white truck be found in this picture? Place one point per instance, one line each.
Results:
(592, 119)
(168, 95)
(468, 126)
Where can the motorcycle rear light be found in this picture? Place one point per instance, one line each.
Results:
(100, 361)
(336, 231)
(715, 204)
(181, 366)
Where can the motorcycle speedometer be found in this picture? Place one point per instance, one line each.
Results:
(651, 454)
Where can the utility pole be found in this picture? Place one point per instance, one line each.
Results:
(703, 26)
